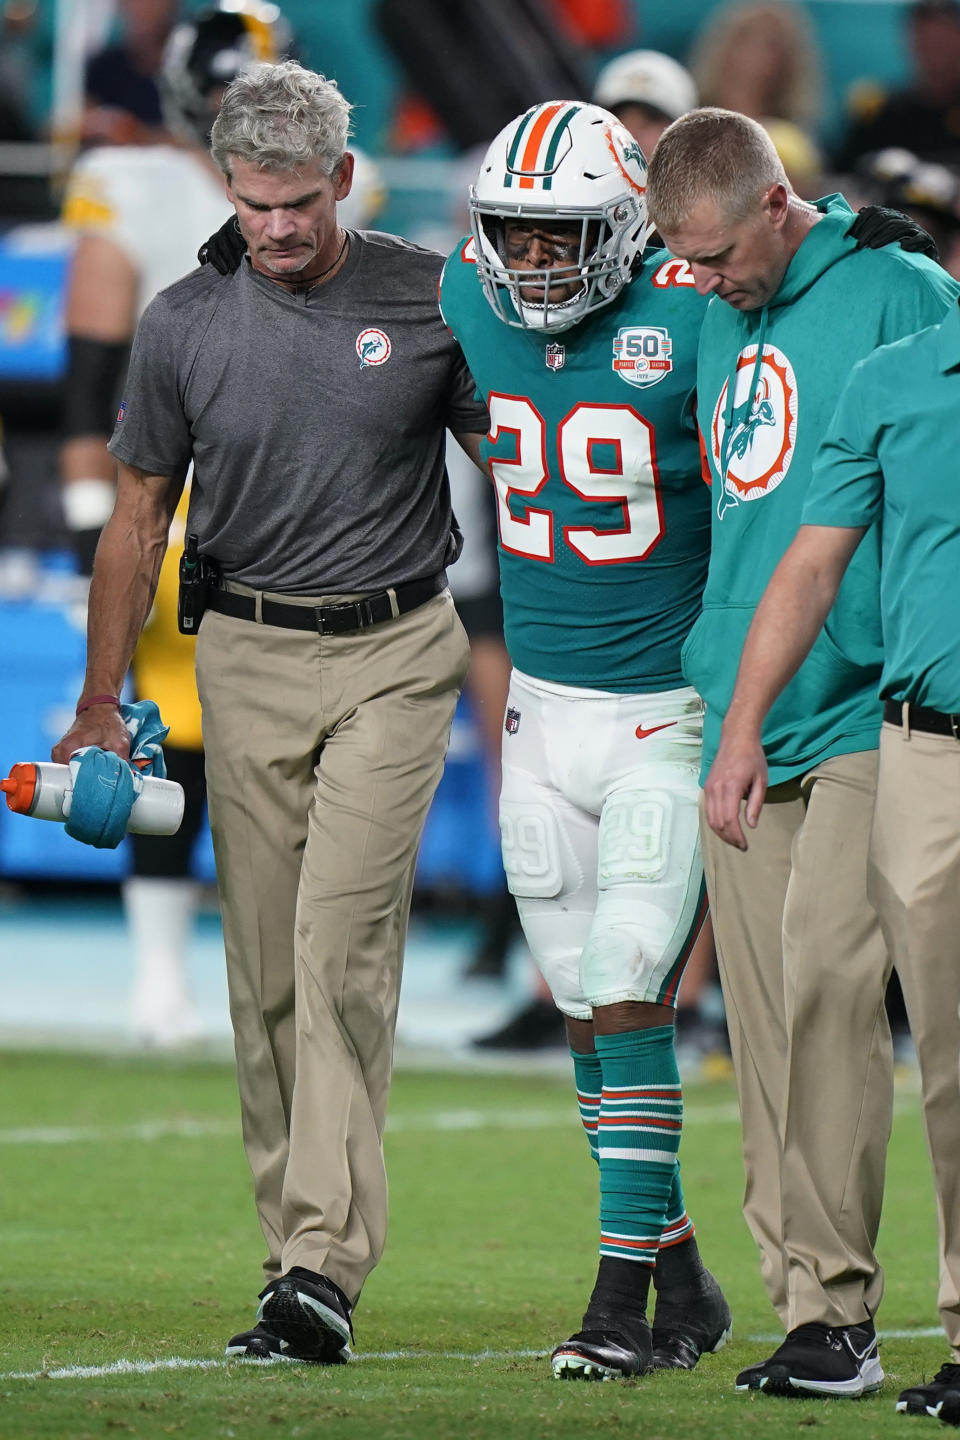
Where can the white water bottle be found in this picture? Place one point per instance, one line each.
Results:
(45, 791)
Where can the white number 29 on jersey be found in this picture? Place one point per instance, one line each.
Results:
(586, 436)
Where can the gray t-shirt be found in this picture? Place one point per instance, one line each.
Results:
(315, 419)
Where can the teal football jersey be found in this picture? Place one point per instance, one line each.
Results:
(603, 516)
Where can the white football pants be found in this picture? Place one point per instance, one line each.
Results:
(598, 822)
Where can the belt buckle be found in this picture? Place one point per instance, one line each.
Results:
(955, 725)
(360, 609)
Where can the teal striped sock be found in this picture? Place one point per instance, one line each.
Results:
(589, 1082)
(677, 1225)
(638, 1132)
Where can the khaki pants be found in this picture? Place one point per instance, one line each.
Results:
(804, 970)
(914, 881)
(322, 756)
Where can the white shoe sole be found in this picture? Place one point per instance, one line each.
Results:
(866, 1383)
(727, 1335)
(575, 1367)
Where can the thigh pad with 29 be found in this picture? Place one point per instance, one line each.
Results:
(550, 863)
(530, 846)
(649, 893)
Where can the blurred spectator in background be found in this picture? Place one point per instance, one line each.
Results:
(645, 90)
(928, 192)
(761, 60)
(470, 68)
(16, 19)
(140, 213)
(924, 115)
(160, 896)
(597, 24)
(799, 155)
(122, 104)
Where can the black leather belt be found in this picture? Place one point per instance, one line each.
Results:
(328, 619)
(931, 722)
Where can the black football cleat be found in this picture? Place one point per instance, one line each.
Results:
(690, 1320)
(604, 1354)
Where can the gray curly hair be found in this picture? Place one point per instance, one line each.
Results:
(281, 117)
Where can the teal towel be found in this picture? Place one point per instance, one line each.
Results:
(105, 787)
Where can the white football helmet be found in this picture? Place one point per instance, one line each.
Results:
(561, 161)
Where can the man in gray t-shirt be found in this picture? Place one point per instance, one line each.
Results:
(311, 390)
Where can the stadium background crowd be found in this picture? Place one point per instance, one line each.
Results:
(859, 95)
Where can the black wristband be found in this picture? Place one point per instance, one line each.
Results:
(95, 373)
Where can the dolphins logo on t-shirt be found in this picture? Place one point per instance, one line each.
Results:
(373, 347)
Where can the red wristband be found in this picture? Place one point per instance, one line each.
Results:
(92, 700)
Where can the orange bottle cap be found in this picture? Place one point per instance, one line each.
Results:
(20, 787)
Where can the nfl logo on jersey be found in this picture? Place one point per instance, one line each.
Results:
(555, 356)
(512, 722)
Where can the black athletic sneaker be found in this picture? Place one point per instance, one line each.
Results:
(939, 1397)
(260, 1344)
(604, 1354)
(310, 1318)
(690, 1320)
(819, 1359)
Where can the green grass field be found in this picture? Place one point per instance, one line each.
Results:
(129, 1241)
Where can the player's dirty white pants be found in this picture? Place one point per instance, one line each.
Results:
(914, 881)
(322, 754)
(804, 971)
(598, 820)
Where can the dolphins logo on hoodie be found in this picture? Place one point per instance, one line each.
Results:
(754, 426)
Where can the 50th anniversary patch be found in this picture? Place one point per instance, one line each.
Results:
(642, 354)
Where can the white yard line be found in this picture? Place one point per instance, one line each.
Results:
(147, 1131)
(177, 1362)
(437, 1120)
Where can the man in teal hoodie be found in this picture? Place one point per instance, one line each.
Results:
(802, 961)
(902, 404)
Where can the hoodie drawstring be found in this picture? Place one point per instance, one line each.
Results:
(729, 429)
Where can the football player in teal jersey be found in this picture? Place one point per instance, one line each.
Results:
(585, 351)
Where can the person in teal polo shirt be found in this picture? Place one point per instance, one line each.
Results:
(888, 463)
(794, 305)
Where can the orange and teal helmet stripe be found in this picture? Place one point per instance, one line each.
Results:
(515, 146)
(540, 144)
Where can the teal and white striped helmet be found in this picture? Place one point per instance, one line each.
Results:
(570, 164)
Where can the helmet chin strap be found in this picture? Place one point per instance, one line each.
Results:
(534, 315)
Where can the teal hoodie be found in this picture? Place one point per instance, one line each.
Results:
(767, 384)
